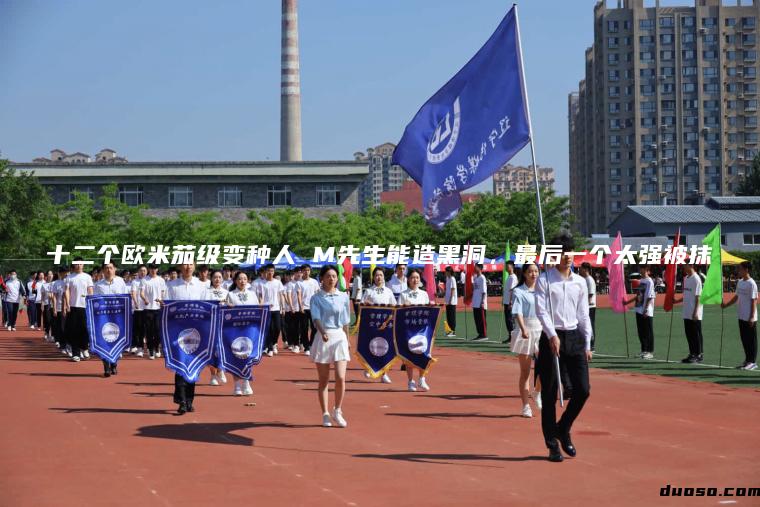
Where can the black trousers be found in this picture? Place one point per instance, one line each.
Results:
(574, 372)
(274, 329)
(138, 329)
(509, 320)
(748, 335)
(38, 315)
(76, 330)
(308, 330)
(592, 318)
(108, 367)
(356, 308)
(480, 320)
(645, 328)
(59, 326)
(47, 319)
(12, 314)
(451, 317)
(693, 330)
(184, 391)
(152, 334)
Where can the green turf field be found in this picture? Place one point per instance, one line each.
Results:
(611, 348)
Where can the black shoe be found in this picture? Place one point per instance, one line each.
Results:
(688, 359)
(190, 407)
(554, 455)
(567, 444)
(181, 409)
(506, 341)
(480, 338)
(106, 374)
(694, 360)
(113, 370)
(699, 359)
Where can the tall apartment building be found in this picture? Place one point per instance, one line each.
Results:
(512, 178)
(667, 112)
(383, 176)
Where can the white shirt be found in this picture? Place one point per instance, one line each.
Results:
(511, 284)
(450, 298)
(356, 288)
(479, 292)
(271, 291)
(692, 287)
(13, 288)
(206, 283)
(117, 286)
(286, 295)
(397, 285)
(180, 290)
(294, 289)
(226, 284)
(308, 289)
(645, 297)
(135, 289)
(45, 293)
(31, 294)
(245, 297)
(212, 294)
(153, 288)
(379, 296)
(58, 288)
(569, 304)
(258, 287)
(414, 297)
(591, 288)
(78, 283)
(746, 292)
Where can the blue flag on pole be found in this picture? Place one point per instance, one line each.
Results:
(375, 349)
(188, 337)
(241, 331)
(109, 324)
(471, 127)
(414, 334)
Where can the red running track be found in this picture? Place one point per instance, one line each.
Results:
(70, 437)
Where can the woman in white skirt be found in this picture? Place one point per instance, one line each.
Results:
(379, 294)
(241, 295)
(413, 295)
(331, 316)
(527, 333)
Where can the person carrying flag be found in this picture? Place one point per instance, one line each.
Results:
(109, 284)
(413, 295)
(379, 294)
(746, 310)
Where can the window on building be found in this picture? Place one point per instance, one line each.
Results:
(668, 71)
(687, 38)
(613, 58)
(710, 38)
(750, 55)
(712, 88)
(646, 56)
(647, 106)
(614, 107)
(612, 26)
(328, 195)
(230, 197)
(79, 189)
(749, 39)
(665, 38)
(748, 22)
(646, 39)
(730, 21)
(647, 90)
(613, 75)
(709, 22)
(732, 71)
(689, 87)
(668, 88)
(710, 72)
(278, 195)
(612, 42)
(688, 21)
(668, 105)
(688, 54)
(665, 55)
(710, 55)
(131, 195)
(614, 91)
(689, 71)
(646, 24)
(616, 206)
(752, 239)
(180, 197)
(666, 21)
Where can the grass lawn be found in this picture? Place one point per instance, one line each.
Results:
(611, 345)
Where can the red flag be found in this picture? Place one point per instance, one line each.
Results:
(429, 279)
(616, 276)
(469, 273)
(348, 270)
(670, 279)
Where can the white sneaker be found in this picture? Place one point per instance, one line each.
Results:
(290, 348)
(296, 350)
(133, 350)
(270, 353)
(526, 411)
(140, 353)
(247, 389)
(366, 374)
(32, 327)
(274, 349)
(412, 386)
(537, 399)
(307, 353)
(68, 351)
(158, 354)
(214, 381)
(326, 421)
(86, 354)
(64, 351)
(76, 359)
(13, 329)
(648, 355)
(238, 391)
(337, 416)
(423, 384)
(222, 377)
(386, 379)
(751, 366)
(152, 356)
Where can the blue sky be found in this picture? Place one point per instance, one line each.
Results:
(198, 80)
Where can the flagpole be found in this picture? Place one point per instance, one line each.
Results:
(670, 335)
(720, 354)
(625, 326)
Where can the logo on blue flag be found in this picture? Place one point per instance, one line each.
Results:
(414, 334)
(188, 336)
(375, 348)
(470, 128)
(109, 324)
(241, 331)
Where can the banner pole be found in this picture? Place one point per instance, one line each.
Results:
(720, 354)
(670, 335)
(625, 326)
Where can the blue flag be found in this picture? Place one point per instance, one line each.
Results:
(241, 331)
(470, 128)
(375, 349)
(109, 324)
(414, 334)
(188, 337)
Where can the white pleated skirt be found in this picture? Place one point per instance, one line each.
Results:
(332, 350)
(520, 345)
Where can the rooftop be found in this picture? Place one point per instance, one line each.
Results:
(717, 210)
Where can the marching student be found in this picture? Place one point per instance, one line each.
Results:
(309, 287)
(47, 312)
(450, 299)
(186, 287)
(258, 284)
(203, 271)
(59, 321)
(138, 307)
(644, 299)
(286, 312)
(331, 313)
(356, 291)
(586, 274)
(746, 310)
(413, 295)
(173, 274)
(379, 294)
(480, 303)
(397, 283)
(272, 291)
(507, 297)
(109, 284)
(216, 292)
(692, 313)
(295, 300)
(226, 277)
(152, 290)
(562, 307)
(15, 292)
(526, 336)
(39, 280)
(78, 286)
(31, 299)
(241, 294)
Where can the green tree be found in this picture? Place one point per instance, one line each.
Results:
(749, 184)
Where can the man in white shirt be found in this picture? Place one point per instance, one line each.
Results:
(110, 283)
(13, 297)
(562, 309)
(47, 312)
(509, 286)
(296, 314)
(152, 290)
(746, 310)
(272, 291)
(309, 287)
(138, 315)
(203, 271)
(644, 300)
(57, 290)
(78, 286)
(480, 303)
(587, 274)
(397, 284)
(692, 313)
(450, 300)
(356, 291)
(227, 277)
(31, 299)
